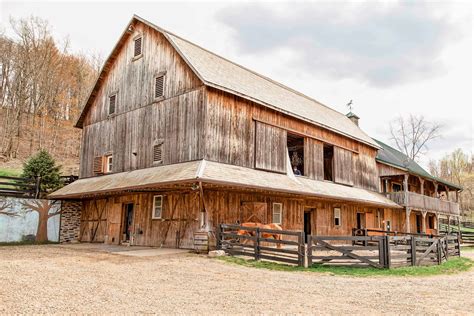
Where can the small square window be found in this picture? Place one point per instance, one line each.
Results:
(277, 213)
(157, 206)
(159, 86)
(137, 50)
(337, 216)
(112, 103)
(108, 163)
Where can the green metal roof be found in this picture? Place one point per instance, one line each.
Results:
(392, 156)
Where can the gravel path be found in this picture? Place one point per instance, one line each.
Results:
(52, 279)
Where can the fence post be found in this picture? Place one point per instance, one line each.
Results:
(37, 187)
(459, 244)
(413, 250)
(309, 251)
(257, 244)
(382, 253)
(301, 249)
(438, 250)
(447, 247)
(388, 258)
(366, 234)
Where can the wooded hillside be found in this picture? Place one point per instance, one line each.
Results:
(42, 90)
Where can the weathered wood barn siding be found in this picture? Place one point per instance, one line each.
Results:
(140, 120)
(237, 130)
(103, 218)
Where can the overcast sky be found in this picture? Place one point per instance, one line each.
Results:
(391, 58)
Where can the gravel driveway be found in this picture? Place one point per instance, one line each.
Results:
(54, 279)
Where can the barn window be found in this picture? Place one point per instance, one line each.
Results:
(137, 50)
(157, 206)
(98, 165)
(159, 86)
(337, 216)
(158, 153)
(108, 163)
(112, 103)
(277, 213)
(328, 155)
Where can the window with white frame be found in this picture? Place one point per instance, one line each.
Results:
(108, 163)
(337, 216)
(277, 213)
(157, 206)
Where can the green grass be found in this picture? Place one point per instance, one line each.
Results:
(10, 172)
(26, 243)
(454, 265)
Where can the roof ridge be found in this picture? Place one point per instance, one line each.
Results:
(239, 65)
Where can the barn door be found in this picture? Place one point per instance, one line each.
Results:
(255, 212)
(94, 221)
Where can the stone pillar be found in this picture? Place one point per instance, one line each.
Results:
(70, 221)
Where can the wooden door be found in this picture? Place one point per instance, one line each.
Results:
(255, 212)
(94, 221)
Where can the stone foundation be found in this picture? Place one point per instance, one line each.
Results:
(70, 221)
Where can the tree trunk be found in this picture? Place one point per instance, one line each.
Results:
(42, 232)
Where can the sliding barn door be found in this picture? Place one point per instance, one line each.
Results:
(343, 169)
(270, 148)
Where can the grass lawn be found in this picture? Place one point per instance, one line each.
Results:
(10, 172)
(454, 265)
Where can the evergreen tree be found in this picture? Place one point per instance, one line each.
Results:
(43, 165)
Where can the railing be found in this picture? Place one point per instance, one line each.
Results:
(26, 187)
(424, 202)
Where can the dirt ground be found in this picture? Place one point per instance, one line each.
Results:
(54, 279)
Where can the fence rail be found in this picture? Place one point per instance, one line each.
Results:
(258, 243)
(382, 251)
(27, 187)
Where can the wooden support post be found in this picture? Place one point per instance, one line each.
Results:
(459, 244)
(382, 254)
(407, 215)
(422, 185)
(459, 224)
(436, 189)
(423, 223)
(413, 250)
(309, 251)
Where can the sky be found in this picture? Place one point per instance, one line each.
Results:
(391, 58)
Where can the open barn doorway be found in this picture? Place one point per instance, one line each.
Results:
(127, 222)
(308, 223)
(295, 145)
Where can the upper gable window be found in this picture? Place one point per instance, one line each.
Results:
(138, 46)
(159, 86)
(112, 103)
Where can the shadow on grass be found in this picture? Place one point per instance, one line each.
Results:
(453, 265)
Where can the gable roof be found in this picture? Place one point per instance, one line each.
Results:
(222, 74)
(394, 157)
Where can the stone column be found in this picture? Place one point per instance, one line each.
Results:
(70, 221)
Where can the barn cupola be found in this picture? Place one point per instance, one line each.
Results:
(353, 117)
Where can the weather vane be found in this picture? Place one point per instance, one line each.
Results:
(349, 105)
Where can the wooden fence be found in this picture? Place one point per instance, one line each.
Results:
(256, 244)
(26, 187)
(385, 251)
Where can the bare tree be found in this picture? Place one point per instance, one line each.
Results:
(5, 208)
(413, 134)
(43, 208)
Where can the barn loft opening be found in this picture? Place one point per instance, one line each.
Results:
(295, 145)
(328, 157)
